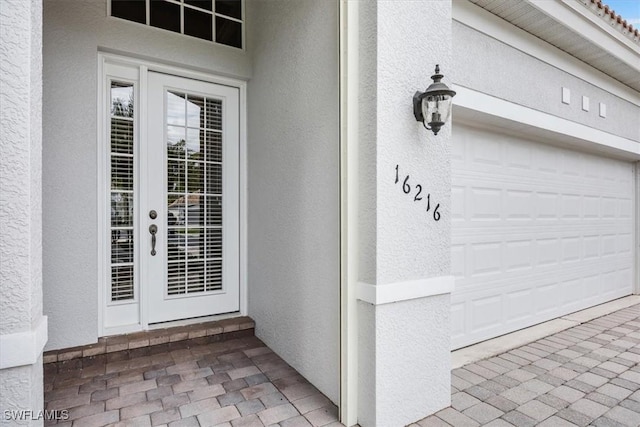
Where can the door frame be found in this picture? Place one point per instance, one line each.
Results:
(140, 68)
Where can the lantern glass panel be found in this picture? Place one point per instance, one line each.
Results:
(436, 108)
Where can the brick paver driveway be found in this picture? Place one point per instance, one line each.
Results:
(586, 375)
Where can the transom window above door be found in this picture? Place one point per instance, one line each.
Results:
(219, 21)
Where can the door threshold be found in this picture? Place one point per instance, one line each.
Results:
(192, 321)
(163, 337)
(504, 343)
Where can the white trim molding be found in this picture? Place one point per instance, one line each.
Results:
(485, 22)
(23, 348)
(592, 27)
(349, 35)
(402, 291)
(471, 105)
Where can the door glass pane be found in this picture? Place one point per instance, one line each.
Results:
(214, 114)
(175, 108)
(213, 210)
(176, 142)
(122, 246)
(121, 282)
(121, 172)
(195, 144)
(213, 146)
(121, 135)
(121, 209)
(121, 178)
(176, 283)
(194, 240)
(195, 112)
(213, 275)
(175, 176)
(214, 178)
(195, 174)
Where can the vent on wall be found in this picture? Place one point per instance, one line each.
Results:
(121, 174)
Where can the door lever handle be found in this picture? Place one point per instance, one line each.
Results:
(153, 229)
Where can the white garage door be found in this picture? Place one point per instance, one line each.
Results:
(538, 232)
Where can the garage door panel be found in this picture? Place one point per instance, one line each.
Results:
(586, 179)
(518, 156)
(491, 315)
(519, 255)
(519, 204)
(539, 231)
(626, 208)
(457, 321)
(495, 277)
(486, 312)
(518, 305)
(547, 295)
(538, 278)
(516, 204)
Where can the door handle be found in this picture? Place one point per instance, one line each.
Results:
(153, 229)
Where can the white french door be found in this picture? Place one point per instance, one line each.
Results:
(189, 199)
(170, 214)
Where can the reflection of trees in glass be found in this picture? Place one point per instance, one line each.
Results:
(177, 150)
(178, 172)
(121, 107)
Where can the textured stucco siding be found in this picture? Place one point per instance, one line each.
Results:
(403, 347)
(20, 197)
(413, 338)
(74, 32)
(294, 188)
(485, 64)
(410, 244)
(20, 160)
(21, 388)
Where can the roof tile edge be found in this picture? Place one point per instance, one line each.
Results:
(612, 18)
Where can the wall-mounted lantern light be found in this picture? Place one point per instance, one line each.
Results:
(433, 106)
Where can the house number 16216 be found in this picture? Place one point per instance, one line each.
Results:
(406, 188)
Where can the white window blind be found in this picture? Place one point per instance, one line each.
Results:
(121, 178)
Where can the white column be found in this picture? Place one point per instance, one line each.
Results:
(404, 280)
(23, 328)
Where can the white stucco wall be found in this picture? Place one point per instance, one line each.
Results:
(407, 340)
(74, 32)
(21, 385)
(410, 244)
(404, 358)
(20, 188)
(293, 178)
(493, 67)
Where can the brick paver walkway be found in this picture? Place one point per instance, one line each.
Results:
(234, 383)
(586, 375)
